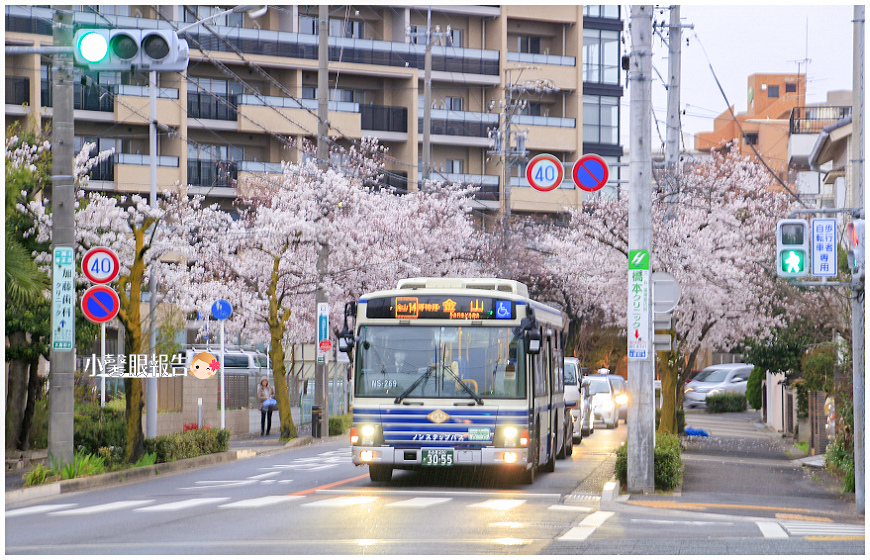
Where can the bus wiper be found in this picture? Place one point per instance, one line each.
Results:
(413, 386)
(464, 386)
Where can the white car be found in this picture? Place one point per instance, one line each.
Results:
(722, 378)
(577, 399)
(604, 405)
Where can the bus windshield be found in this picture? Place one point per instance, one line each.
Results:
(439, 360)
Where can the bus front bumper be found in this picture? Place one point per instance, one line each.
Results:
(413, 458)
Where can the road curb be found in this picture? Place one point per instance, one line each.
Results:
(610, 491)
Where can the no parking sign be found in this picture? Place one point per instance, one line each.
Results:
(590, 173)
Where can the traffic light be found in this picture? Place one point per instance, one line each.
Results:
(130, 49)
(792, 248)
(855, 254)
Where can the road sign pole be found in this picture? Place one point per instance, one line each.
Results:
(103, 369)
(223, 389)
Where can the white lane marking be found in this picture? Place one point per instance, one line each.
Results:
(812, 528)
(346, 501)
(37, 509)
(596, 519)
(419, 502)
(679, 522)
(219, 484)
(562, 507)
(260, 502)
(499, 504)
(111, 506)
(586, 527)
(577, 534)
(771, 530)
(184, 504)
(264, 475)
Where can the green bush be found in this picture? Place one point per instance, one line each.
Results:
(185, 445)
(753, 388)
(39, 426)
(667, 462)
(37, 476)
(841, 461)
(97, 427)
(726, 402)
(340, 424)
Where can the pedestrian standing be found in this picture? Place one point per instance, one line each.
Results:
(265, 394)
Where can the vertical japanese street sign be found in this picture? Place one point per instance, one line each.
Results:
(63, 297)
(323, 343)
(638, 305)
(824, 246)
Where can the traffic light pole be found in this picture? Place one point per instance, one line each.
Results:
(61, 397)
(151, 382)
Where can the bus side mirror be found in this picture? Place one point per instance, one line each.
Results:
(533, 341)
(345, 337)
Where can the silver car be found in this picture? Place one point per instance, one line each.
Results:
(722, 378)
(577, 399)
(604, 405)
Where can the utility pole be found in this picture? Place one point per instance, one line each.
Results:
(151, 382)
(857, 156)
(641, 417)
(61, 398)
(321, 393)
(672, 138)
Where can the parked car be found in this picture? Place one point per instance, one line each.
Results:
(621, 395)
(604, 405)
(577, 399)
(721, 378)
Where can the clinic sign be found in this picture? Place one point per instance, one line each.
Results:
(63, 298)
(638, 305)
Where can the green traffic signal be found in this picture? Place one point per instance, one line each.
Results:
(793, 261)
(93, 47)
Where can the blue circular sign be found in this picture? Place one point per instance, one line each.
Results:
(221, 309)
(100, 304)
(590, 173)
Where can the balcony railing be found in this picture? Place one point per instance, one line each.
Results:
(396, 181)
(361, 51)
(209, 173)
(145, 159)
(103, 171)
(811, 120)
(17, 90)
(529, 120)
(533, 58)
(209, 106)
(84, 98)
(380, 117)
(291, 103)
(460, 123)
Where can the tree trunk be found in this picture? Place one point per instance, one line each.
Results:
(32, 396)
(277, 322)
(16, 392)
(668, 373)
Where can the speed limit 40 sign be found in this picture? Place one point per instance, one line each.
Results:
(545, 172)
(100, 265)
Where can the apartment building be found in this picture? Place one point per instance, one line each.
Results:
(251, 85)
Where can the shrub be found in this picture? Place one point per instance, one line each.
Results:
(841, 461)
(340, 424)
(726, 402)
(147, 459)
(185, 445)
(97, 427)
(667, 462)
(39, 426)
(37, 476)
(194, 426)
(753, 388)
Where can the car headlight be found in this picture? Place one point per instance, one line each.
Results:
(688, 389)
(621, 399)
(714, 391)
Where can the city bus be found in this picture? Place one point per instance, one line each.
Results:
(453, 372)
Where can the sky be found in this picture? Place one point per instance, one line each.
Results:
(741, 41)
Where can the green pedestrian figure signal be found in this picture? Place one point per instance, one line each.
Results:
(792, 248)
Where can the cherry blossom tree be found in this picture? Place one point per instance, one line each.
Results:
(716, 239)
(266, 260)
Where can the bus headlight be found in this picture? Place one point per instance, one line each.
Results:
(367, 455)
(510, 457)
(511, 436)
(367, 434)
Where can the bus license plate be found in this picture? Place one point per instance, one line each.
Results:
(437, 457)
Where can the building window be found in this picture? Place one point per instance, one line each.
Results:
(772, 91)
(455, 38)
(791, 88)
(751, 138)
(453, 166)
(600, 119)
(213, 152)
(606, 11)
(202, 12)
(453, 104)
(532, 109)
(346, 28)
(601, 56)
(530, 45)
(308, 25)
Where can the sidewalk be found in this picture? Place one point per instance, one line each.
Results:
(745, 467)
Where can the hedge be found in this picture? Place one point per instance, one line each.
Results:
(726, 402)
(667, 462)
(340, 424)
(753, 387)
(95, 427)
(185, 445)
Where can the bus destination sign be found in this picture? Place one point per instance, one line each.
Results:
(439, 307)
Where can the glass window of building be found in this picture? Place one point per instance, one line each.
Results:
(192, 14)
(606, 11)
(601, 119)
(453, 166)
(308, 25)
(346, 28)
(773, 91)
(529, 44)
(455, 38)
(600, 56)
(453, 103)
